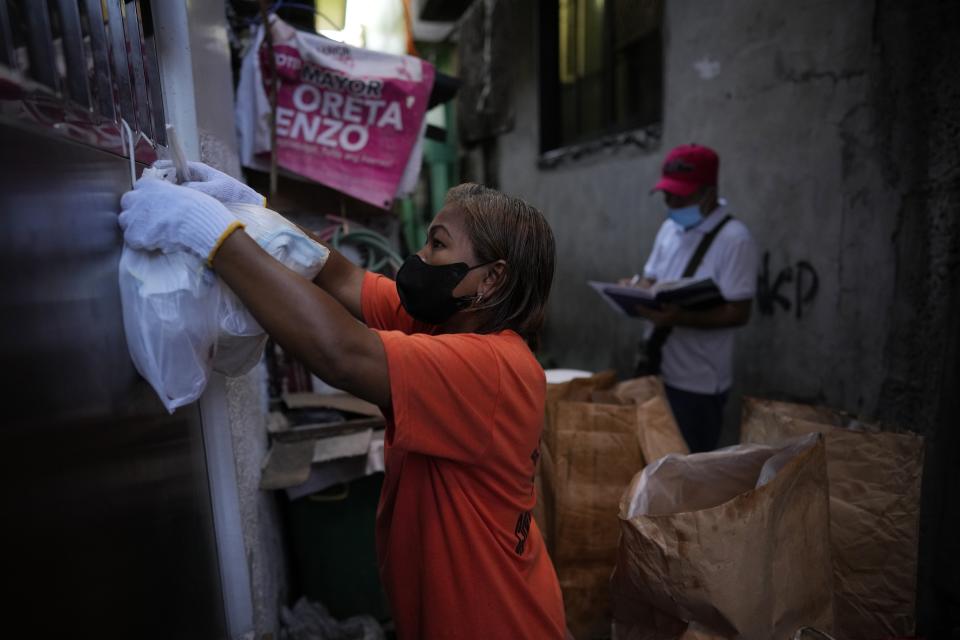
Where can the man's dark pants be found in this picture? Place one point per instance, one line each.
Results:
(699, 416)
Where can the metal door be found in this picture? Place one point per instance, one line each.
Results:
(107, 509)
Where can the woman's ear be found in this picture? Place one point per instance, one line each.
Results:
(493, 278)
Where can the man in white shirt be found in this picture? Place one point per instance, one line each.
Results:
(696, 347)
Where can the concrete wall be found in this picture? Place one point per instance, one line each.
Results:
(837, 126)
(917, 95)
(789, 122)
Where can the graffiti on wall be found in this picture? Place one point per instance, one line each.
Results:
(793, 287)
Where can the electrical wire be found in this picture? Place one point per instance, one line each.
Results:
(377, 251)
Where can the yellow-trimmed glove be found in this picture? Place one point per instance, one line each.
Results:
(158, 215)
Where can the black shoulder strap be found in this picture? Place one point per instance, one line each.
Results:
(702, 248)
(654, 345)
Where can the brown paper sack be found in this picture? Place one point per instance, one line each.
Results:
(597, 435)
(726, 544)
(875, 482)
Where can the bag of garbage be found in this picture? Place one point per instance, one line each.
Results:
(242, 339)
(597, 435)
(181, 321)
(727, 544)
(875, 481)
(170, 303)
(311, 621)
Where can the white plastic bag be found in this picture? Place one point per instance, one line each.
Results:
(181, 321)
(242, 339)
(170, 317)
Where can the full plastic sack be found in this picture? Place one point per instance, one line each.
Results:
(242, 339)
(170, 317)
(182, 322)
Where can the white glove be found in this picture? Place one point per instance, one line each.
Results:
(161, 216)
(216, 184)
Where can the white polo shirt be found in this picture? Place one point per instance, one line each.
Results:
(701, 360)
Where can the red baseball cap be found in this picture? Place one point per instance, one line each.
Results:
(687, 168)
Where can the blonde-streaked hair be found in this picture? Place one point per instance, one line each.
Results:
(501, 227)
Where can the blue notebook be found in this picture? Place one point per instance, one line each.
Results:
(688, 293)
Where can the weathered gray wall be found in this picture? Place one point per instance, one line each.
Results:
(784, 106)
(917, 94)
(837, 126)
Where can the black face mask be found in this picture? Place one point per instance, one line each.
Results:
(426, 291)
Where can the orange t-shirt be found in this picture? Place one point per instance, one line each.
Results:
(460, 556)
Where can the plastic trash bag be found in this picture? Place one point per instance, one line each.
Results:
(181, 321)
(242, 339)
(311, 621)
(170, 317)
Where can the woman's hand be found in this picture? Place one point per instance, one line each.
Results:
(216, 184)
(161, 216)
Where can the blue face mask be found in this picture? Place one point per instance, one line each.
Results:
(687, 217)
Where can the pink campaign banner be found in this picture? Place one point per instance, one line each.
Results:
(347, 117)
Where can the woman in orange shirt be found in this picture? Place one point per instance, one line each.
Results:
(444, 352)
